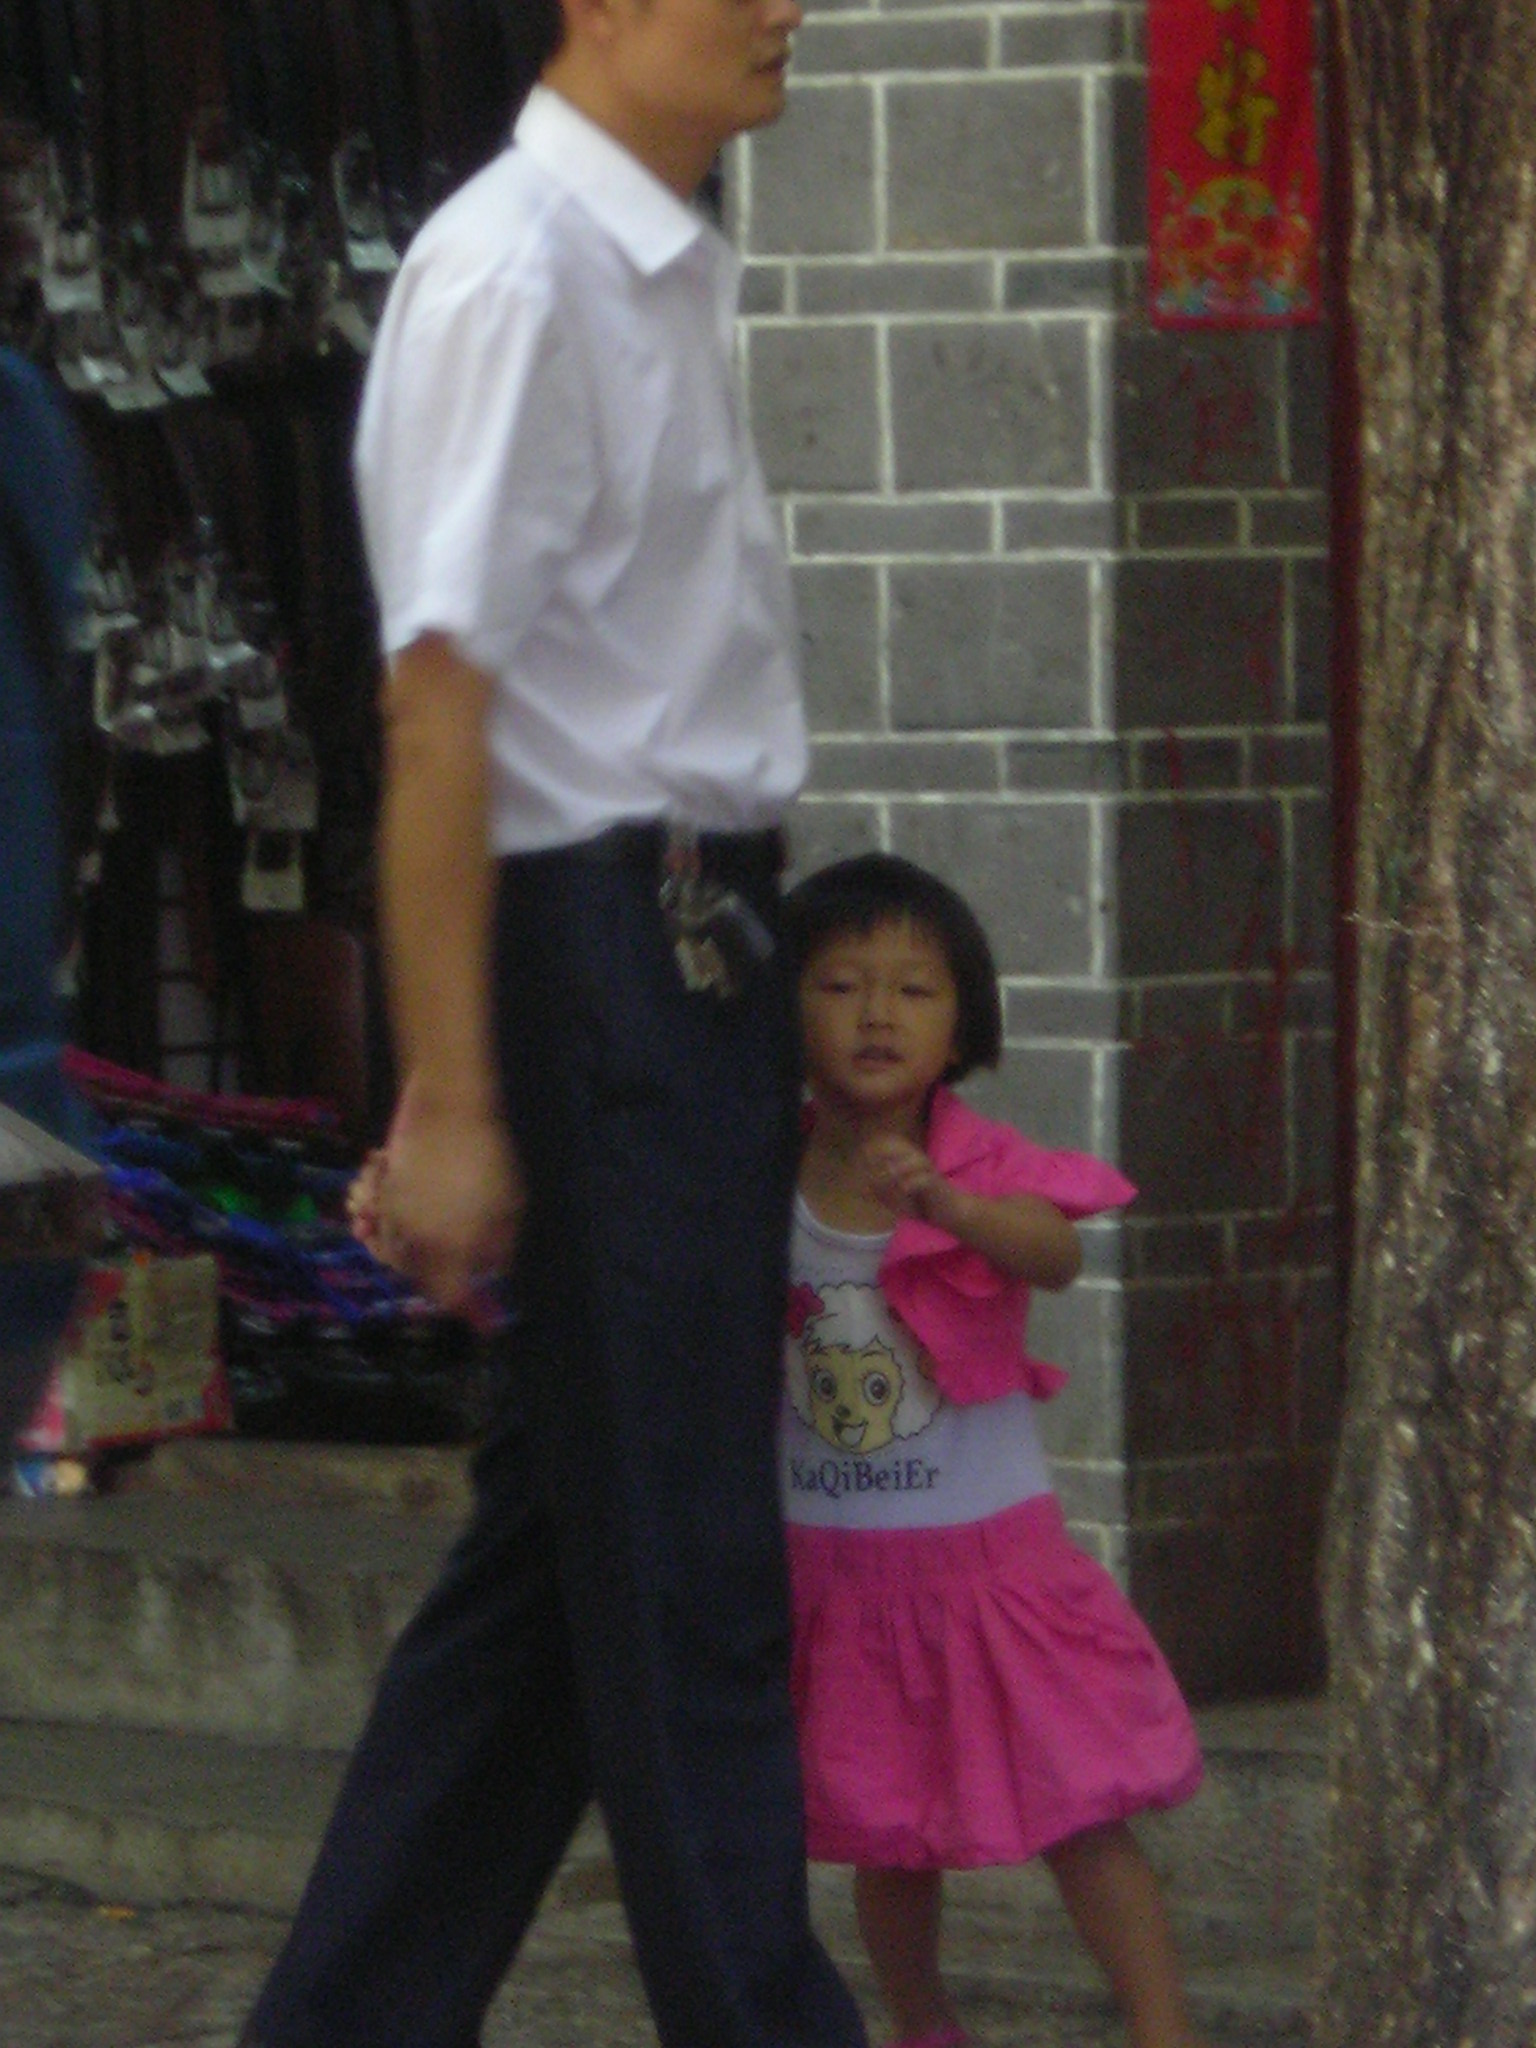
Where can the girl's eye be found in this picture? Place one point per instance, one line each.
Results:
(916, 988)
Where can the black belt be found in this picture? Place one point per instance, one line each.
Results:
(722, 855)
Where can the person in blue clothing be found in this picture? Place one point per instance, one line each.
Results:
(44, 513)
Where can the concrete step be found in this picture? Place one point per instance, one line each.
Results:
(154, 1815)
(237, 1602)
(139, 1816)
(1241, 1860)
(217, 1616)
(412, 1480)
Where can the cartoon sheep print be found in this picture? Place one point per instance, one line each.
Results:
(857, 1377)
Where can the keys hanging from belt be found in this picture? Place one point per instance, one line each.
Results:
(717, 937)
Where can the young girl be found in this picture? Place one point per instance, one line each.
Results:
(971, 1688)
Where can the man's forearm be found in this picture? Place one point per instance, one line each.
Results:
(436, 876)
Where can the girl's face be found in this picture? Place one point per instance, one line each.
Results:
(879, 1013)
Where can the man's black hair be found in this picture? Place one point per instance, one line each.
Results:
(534, 29)
(852, 897)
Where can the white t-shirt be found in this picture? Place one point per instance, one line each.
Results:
(554, 469)
(867, 1440)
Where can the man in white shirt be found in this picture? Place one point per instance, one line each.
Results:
(591, 674)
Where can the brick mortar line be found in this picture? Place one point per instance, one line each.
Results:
(1101, 641)
(1100, 869)
(1098, 405)
(1290, 636)
(1007, 316)
(1090, 983)
(1094, 198)
(1091, 736)
(1283, 371)
(859, 556)
(1027, 256)
(1236, 1219)
(880, 170)
(1068, 496)
(1224, 494)
(1087, 70)
(1014, 10)
(1055, 797)
(1114, 1042)
(885, 412)
(948, 557)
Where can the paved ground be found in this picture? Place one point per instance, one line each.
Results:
(85, 1788)
(77, 1972)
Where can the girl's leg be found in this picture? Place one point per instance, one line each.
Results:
(899, 1913)
(1109, 1890)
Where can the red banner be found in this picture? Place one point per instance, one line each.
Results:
(1234, 184)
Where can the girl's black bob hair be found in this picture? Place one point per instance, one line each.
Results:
(852, 897)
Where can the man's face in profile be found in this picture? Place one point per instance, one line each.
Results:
(712, 68)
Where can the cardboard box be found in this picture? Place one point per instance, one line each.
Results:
(139, 1358)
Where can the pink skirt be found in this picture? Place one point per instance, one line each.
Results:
(974, 1694)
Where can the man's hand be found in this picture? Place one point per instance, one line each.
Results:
(363, 1200)
(444, 1202)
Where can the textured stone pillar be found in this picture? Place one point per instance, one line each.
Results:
(1429, 1914)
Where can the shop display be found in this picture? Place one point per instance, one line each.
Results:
(317, 1340)
(139, 1361)
(211, 197)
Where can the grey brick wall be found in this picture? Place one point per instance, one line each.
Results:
(1064, 611)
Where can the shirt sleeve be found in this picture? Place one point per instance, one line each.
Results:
(475, 462)
(1078, 1184)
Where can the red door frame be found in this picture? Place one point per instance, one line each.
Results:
(1344, 577)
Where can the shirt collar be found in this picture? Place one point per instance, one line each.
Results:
(648, 221)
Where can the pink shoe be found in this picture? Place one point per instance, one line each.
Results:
(941, 2037)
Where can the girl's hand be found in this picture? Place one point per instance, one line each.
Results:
(1024, 1236)
(904, 1178)
(440, 1201)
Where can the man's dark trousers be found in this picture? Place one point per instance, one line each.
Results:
(615, 1619)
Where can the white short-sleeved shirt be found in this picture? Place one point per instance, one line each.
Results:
(867, 1441)
(554, 469)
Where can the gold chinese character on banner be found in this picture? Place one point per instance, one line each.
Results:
(1237, 115)
(1249, 7)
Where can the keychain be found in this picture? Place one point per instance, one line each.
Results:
(717, 936)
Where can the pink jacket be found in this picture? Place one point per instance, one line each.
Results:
(970, 1316)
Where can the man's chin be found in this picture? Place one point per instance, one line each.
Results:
(772, 96)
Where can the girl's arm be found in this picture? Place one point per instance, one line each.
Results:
(1024, 1236)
